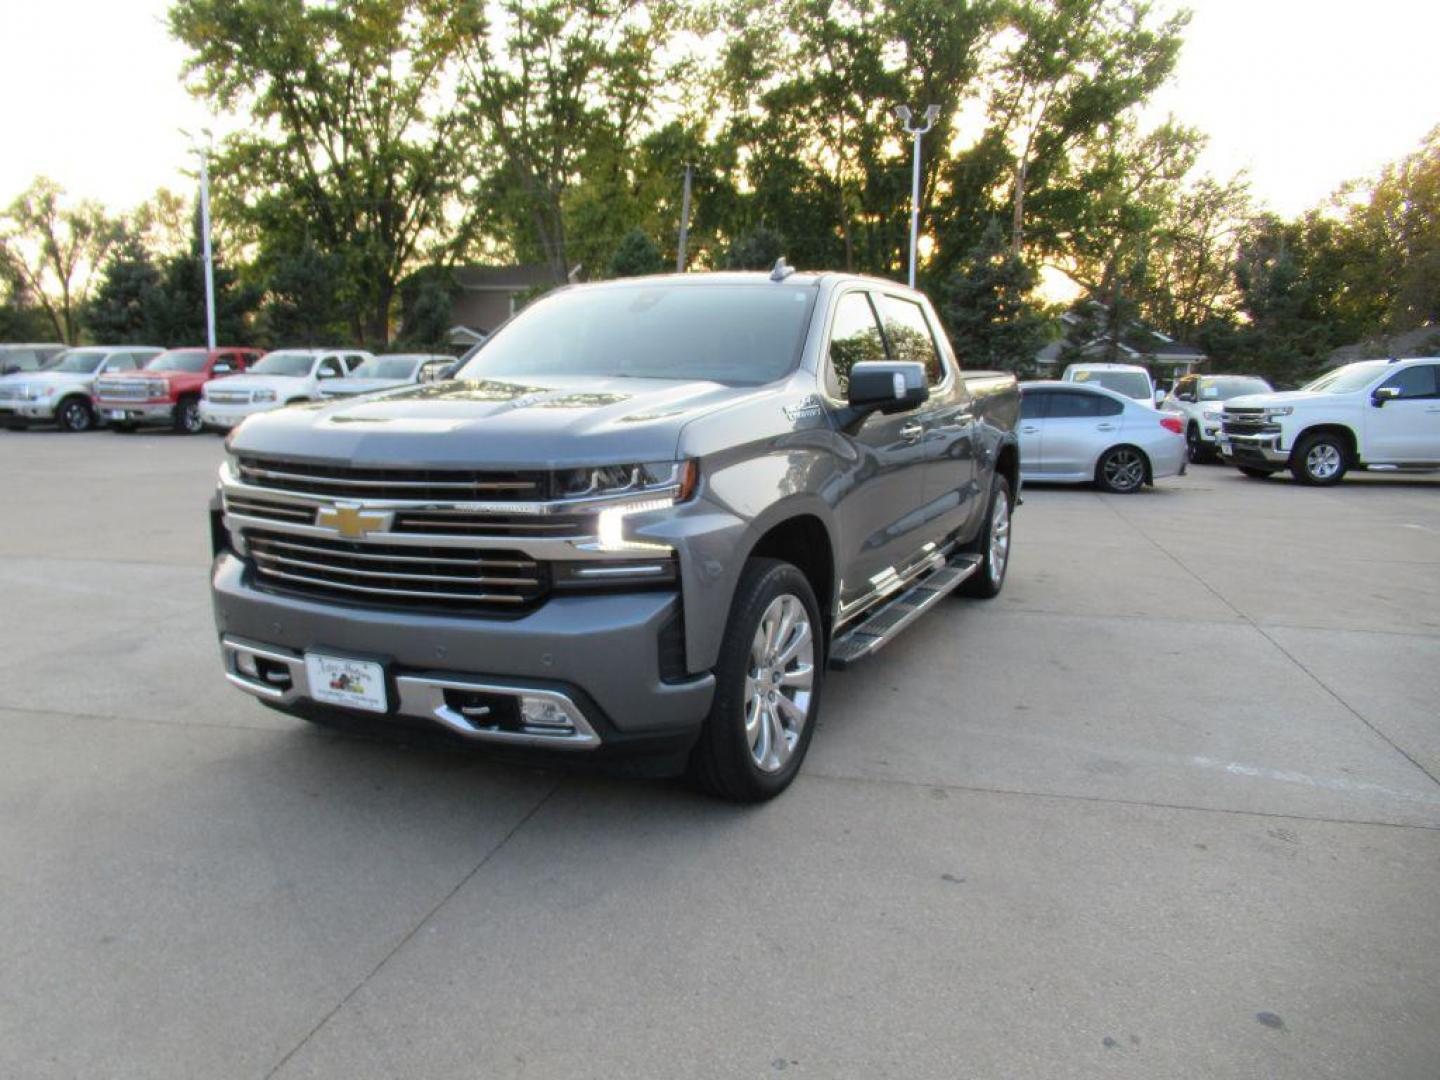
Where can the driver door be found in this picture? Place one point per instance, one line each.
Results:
(877, 491)
(1406, 429)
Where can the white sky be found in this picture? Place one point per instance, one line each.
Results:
(1305, 94)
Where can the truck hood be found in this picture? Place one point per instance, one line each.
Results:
(548, 423)
(49, 378)
(343, 387)
(167, 376)
(1281, 397)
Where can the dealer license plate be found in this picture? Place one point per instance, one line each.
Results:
(354, 684)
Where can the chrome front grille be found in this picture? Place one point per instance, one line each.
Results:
(1246, 422)
(130, 390)
(425, 521)
(10, 393)
(228, 397)
(420, 485)
(402, 576)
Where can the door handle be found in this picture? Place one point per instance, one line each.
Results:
(1104, 427)
(912, 431)
(1029, 430)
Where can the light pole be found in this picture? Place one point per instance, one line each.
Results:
(903, 112)
(204, 154)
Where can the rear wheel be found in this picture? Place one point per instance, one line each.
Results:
(1319, 460)
(767, 687)
(1121, 470)
(187, 416)
(74, 415)
(1194, 447)
(993, 545)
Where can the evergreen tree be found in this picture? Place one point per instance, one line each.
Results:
(178, 311)
(123, 307)
(636, 256)
(302, 305)
(756, 250)
(987, 307)
(427, 307)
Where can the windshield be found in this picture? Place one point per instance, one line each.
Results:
(192, 360)
(743, 335)
(1349, 378)
(387, 367)
(1223, 389)
(284, 363)
(1133, 384)
(78, 361)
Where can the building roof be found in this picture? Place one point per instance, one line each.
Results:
(504, 278)
(1423, 340)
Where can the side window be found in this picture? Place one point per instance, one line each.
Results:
(121, 361)
(1069, 405)
(1032, 404)
(854, 338)
(352, 361)
(909, 336)
(1416, 382)
(1185, 389)
(329, 367)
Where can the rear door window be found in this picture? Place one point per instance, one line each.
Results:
(1416, 382)
(330, 366)
(1033, 404)
(1071, 404)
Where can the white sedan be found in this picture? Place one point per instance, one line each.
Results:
(1075, 433)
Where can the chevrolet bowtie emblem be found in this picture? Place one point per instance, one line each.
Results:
(350, 521)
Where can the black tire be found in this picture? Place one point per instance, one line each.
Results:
(74, 414)
(1255, 474)
(187, 416)
(722, 762)
(1121, 470)
(1195, 449)
(986, 582)
(1320, 460)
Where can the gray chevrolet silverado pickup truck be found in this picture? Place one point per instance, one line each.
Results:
(640, 522)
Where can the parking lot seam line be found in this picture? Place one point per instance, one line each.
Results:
(69, 715)
(1141, 616)
(1259, 629)
(972, 789)
(410, 934)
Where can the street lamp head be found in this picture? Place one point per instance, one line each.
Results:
(903, 112)
(931, 112)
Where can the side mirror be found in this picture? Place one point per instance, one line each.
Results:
(326, 373)
(1383, 394)
(1159, 395)
(9, 369)
(887, 386)
(221, 369)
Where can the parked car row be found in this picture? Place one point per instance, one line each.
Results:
(188, 389)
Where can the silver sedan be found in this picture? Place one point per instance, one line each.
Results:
(1071, 433)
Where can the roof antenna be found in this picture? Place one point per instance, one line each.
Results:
(781, 271)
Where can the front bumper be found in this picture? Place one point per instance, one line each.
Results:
(136, 412)
(1255, 450)
(217, 415)
(597, 657)
(42, 409)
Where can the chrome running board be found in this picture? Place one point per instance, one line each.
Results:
(882, 627)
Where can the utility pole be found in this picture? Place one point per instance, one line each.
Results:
(203, 152)
(209, 263)
(903, 112)
(684, 222)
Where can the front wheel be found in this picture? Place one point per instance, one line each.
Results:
(767, 687)
(187, 417)
(993, 545)
(1195, 449)
(1319, 460)
(74, 415)
(1121, 470)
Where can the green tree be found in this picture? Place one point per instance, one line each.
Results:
(54, 251)
(353, 140)
(756, 250)
(123, 306)
(177, 311)
(636, 256)
(302, 304)
(988, 308)
(427, 304)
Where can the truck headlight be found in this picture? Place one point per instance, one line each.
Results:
(677, 477)
(1210, 414)
(1279, 411)
(263, 395)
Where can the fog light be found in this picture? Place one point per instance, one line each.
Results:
(245, 663)
(542, 712)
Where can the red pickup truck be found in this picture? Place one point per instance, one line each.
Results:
(167, 390)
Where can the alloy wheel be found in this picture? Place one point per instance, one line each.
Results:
(999, 537)
(1323, 461)
(1124, 469)
(779, 682)
(74, 417)
(190, 417)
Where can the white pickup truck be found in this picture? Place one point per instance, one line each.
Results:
(1374, 414)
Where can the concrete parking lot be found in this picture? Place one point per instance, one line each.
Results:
(1167, 808)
